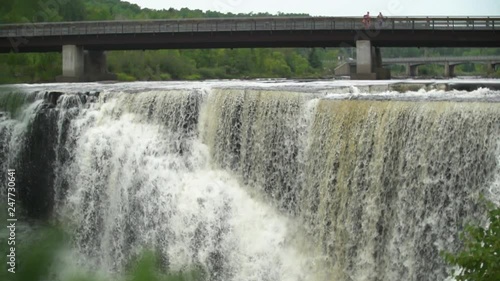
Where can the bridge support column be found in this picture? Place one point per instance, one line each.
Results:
(492, 68)
(411, 70)
(72, 64)
(449, 69)
(369, 62)
(96, 67)
(84, 66)
(364, 61)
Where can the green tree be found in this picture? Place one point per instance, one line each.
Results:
(480, 258)
(73, 10)
(276, 65)
(298, 64)
(314, 60)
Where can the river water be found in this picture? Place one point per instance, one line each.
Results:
(256, 180)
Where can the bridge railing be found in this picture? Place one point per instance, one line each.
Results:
(244, 24)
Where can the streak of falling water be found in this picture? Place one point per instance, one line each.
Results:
(382, 186)
(141, 178)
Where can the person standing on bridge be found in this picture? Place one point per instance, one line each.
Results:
(380, 19)
(366, 20)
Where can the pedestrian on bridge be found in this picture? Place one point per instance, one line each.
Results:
(366, 20)
(380, 19)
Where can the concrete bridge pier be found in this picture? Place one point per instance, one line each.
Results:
(411, 70)
(96, 66)
(369, 62)
(83, 66)
(492, 67)
(72, 64)
(449, 69)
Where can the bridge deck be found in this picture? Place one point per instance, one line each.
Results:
(250, 32)
(243, 24)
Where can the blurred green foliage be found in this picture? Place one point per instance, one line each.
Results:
(146, 269)
(35, 250)
(41, 249)
(480, 258)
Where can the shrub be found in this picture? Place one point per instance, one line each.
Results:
(480, 258)
(125, 77)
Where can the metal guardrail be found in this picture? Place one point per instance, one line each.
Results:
(244, 24)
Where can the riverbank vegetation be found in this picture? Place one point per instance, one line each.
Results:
(479, 259)
(193, 64)
(46, 253)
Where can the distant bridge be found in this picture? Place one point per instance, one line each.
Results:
(412, 64)
(451, 60)
(72, 38)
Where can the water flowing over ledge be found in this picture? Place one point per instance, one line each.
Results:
(257, 182)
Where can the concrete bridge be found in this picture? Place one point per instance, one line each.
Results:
(412, 64)
(83, 43)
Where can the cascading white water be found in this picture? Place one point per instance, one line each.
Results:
(140, 178)
(260, 184)
(382, 186)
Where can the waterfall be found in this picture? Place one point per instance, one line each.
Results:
(255, 183)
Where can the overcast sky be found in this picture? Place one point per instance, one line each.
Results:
(338, 7)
